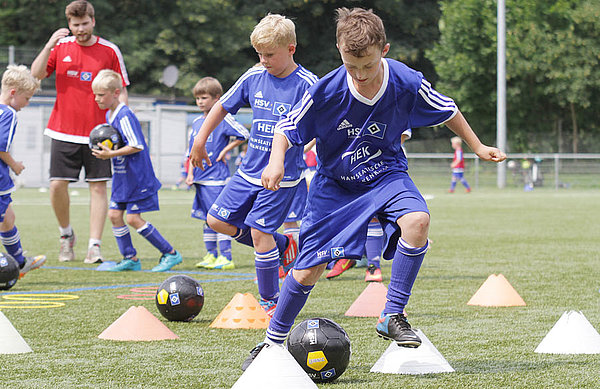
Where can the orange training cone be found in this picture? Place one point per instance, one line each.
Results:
(243, 311)
(496, 291)
(137, 324)
(371, 301)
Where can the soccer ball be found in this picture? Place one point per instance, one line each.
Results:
(107, 135)
(321, 347)
(9, 272)
(179, 298)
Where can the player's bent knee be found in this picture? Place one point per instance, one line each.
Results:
(309, 276)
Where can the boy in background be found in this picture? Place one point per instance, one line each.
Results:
(458, 166)
(18, 86)
(134, 186)
(211, 181)
(244, 209)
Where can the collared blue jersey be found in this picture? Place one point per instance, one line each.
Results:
(270, 98)
(358, 139)
(133, 175)
(218, 173)
(8, 126)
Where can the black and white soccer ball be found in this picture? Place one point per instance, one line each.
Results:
(321, 347)
(107, 135)
(9, 272)
(179, 298)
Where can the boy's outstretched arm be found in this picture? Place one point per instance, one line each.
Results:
(273, 173)
(459, 125)
(198, 154)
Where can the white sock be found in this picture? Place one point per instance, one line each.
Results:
(65, 231)
(93, 242)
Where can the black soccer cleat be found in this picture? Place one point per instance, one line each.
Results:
(253, 353)
(395, 327)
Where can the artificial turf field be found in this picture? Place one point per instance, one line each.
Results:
(544, 242)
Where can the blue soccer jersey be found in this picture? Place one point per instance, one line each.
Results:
(133, 175)
(358, 139)
(270, 98)
(8, 126)
(218, 173)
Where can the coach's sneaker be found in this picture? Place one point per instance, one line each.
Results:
(167, 261)
(31, 263)
(340, 266)
(394, 326)
(127, 264)
(268, 305)
(93, 255)
(66, 252)
(288, 259)
(373, 274)
(222, 263)
(207, 260)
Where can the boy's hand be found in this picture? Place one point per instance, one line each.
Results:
(103, 153)
(199, 156)
(221, 156)
(488, 153)
(272, 176)
(189, 180)
(18, 167)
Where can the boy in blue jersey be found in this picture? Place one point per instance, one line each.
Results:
(245, 210)
(211, 181)
(134, 186)
(358, 113)
(18, 86)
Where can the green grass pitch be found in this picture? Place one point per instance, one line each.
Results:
(544, 242)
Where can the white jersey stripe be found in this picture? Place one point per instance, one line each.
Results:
(115, 48)
(240, 81)
(237, 126)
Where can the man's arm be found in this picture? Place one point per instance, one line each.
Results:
(124, 96)
(459, 125)
(38, 67)
(198, 154)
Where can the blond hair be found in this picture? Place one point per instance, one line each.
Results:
(273, 31)
(108, 80)
(208, 85)
(456, 140)
(358, 29)
(18, 77)
(78, 9)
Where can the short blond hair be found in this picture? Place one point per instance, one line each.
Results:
(358, 29)
(456, 140)
(18, 77)
(273, 31)
(107, 79)
(208, 85)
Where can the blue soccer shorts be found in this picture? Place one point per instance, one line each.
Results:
(204, 199)
(244, 205)
(298, 203)
(336, 218)
(147, 204)
(5, 201)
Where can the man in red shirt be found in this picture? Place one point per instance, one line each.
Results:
(76, 60)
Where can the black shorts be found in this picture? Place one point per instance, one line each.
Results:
(66, 160)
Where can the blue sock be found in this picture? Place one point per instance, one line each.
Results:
(155, 238)
(224, 245)
(210, 240)
(281, 241)
(291, 300)
(452, 185)
(244, 237)
(465, 183)
(267, 274)
(374, 244)
(406, 265)
(11, 240)
(124, 242)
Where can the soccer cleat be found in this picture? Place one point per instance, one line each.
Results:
(373, 274)
(66, 253)
(290, 254)
(31, 263)
(127, 264)
(208, 260)
(340, 266)
(468, 190)
(268, 305)
(222, 263)
(282, 273)
(253, 354)
(93, 255)
(167, 261)
(394, 326)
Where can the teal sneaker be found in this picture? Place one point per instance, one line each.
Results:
(222, 263)
(207, 261)
(127, 264)
(167, 261)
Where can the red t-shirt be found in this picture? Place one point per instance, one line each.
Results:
(75, 112)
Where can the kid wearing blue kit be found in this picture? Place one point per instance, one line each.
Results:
(134, 185)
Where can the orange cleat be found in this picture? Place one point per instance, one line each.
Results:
(373, 274)
(340, 266)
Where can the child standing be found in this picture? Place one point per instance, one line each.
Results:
(244, 209)
(18, 86)
(363, 173)
(134, 186)
(211, 181)
(458, 165)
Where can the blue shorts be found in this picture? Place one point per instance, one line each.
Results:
(244, 205)
(147, 204)
(298, 203)
(336, 219)
(5, 201)
(458, 175)
(205, 197)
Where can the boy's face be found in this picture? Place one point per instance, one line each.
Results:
(107, 99)
(277, 59)
(205, 102)
(82, 28)
(19, 99)
(364, 70)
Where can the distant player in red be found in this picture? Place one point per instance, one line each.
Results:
(458, 165)
(76, 60)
